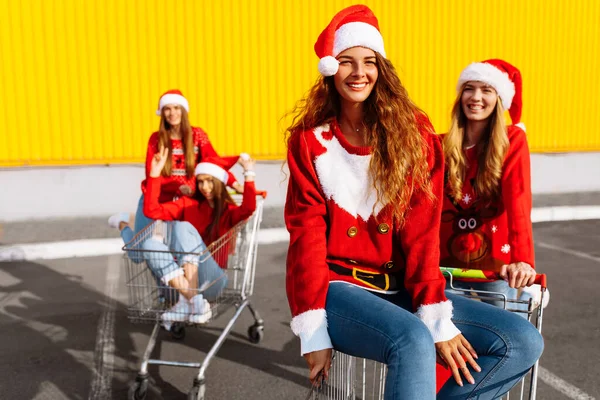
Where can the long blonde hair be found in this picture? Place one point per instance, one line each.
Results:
(490, 153)
(187, 140)
(394, 124)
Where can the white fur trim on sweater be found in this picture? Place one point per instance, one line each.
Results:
(212, 170)
(438, 319)
(345, 177)
(309, 322)
(487, 73)
(172, 98)
(522, 126)
(355, 34)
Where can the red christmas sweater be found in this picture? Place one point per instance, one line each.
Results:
(486, 236)
(170, 184)
(337, 235)
(198, 212)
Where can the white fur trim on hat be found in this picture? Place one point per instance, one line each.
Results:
(355, 34)
(487, 73)
(212, 170)
(172, 98)
(328, 66)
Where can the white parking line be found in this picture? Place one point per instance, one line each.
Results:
(562, 386)
(567, 251)
(104, 355)
(98, 247)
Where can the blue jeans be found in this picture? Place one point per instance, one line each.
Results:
(184, 239)
(498, 286)
(381, 327)
(141, 221)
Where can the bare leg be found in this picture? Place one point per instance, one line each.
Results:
(183, 286)
(191, 274)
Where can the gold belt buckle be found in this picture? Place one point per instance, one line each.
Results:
(369, 274)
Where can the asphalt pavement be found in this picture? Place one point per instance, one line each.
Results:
(65, 332)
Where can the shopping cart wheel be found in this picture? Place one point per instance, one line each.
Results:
(256, 333)
(138, 389)
(197, 392)
(177, 331)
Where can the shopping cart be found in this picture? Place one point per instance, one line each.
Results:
(357, 378)
(235, 252)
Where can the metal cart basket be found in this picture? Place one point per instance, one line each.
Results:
(149, 298)
(356, 378)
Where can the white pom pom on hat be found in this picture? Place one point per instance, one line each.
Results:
(351, 27)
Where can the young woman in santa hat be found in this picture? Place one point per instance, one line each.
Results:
(486, 219)
(202, 219)
(187, 145)
(363, 210)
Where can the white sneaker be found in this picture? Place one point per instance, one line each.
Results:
(179, 312)
(201, 312)
(116, 219)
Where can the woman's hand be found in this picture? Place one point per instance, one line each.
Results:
(246, 162)
(454, 352)
(518, 274)
(158, 162)
(185, 190)
(318, 361)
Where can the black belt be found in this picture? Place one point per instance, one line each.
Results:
(370, 279)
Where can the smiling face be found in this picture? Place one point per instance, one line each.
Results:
(206, 185)
(357, 74)
(172, 113)
(478, 100)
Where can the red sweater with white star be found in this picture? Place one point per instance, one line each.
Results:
(486, 236)
(337, 235)
(170, 184)
(197, 211)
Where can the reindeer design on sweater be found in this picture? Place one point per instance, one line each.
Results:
(469, 246)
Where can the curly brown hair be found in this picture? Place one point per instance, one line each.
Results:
(490, 153)
(394, 125)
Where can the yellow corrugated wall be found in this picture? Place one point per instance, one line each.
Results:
(80, 79)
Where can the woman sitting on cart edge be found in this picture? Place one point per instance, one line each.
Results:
(202, 219)
(363, 210)
(486, 217)
(187, 145)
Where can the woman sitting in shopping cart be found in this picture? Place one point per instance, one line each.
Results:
(486, 217)
(188, 146)
(363, 210)
(202, 219)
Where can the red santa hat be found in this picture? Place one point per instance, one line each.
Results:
(172, 97)
(353, 26)
(503, 77)
(218, 167)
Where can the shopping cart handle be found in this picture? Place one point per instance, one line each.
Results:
(460, 273)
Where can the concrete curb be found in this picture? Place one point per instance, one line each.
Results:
(111, 246)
